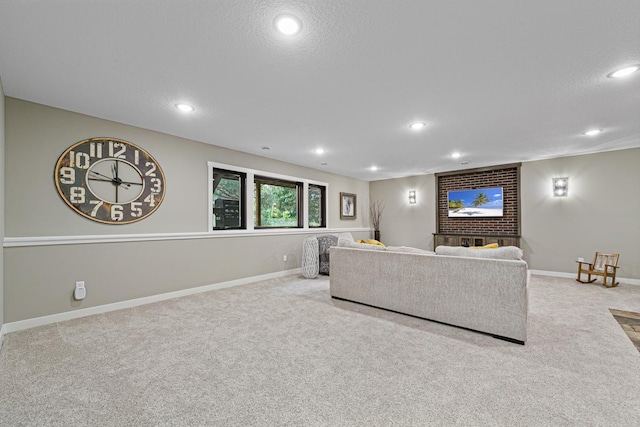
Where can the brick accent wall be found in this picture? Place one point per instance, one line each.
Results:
(507, 178)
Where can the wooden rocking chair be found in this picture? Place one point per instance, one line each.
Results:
(604, 265)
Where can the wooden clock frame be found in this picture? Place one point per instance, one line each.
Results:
(109, 180)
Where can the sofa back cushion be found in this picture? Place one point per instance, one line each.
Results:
(504, 252)
(409, 250)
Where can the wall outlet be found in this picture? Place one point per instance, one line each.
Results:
(284, 258)
(80, 291)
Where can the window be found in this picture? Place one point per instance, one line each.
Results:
(276, 203)
(228, 199)
(316, 203)
(279, 201)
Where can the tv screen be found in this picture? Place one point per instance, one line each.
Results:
(482, 202)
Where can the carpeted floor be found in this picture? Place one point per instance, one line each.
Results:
(282, 352)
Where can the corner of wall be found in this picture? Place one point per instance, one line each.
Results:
(1, 211)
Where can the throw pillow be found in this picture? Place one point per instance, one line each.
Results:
(324, 243)
(346, 235)
(505, 252)
(489, 246)
(343, 243)
(370, 242)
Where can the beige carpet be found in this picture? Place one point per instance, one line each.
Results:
(284, 353)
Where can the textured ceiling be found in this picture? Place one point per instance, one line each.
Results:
(498, 81)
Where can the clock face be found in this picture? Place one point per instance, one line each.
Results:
(109, 180)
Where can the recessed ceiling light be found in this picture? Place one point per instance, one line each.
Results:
(319, 151)
(373, 168)
(288, 25)
(185, 107)
(456, 155)
(592, 132)
(624, 72)
(417, 125)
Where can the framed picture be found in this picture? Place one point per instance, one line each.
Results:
(347, 206)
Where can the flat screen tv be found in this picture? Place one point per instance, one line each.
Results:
(478, 203)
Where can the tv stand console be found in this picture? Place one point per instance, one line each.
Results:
(453, 239)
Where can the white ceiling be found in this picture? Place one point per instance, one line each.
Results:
(498, 80)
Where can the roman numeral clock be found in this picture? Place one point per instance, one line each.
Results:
(109, 180)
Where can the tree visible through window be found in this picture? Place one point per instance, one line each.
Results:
(279, 201)
(317, 206)
(276, 203)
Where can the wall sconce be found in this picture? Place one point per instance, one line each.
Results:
(412, 197)
(560, 187)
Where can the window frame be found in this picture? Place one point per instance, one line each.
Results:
(299, 187)
(243, 199)
(248, 193)
(323, 205)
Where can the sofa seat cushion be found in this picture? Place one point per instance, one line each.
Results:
(505, 252)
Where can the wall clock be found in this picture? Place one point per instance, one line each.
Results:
(109, 180)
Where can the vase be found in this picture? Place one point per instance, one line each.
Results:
(310, 258)
(376, 235)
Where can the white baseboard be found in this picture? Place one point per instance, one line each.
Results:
(75, 314)
(574, 275)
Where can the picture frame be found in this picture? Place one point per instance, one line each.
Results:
(347, 206)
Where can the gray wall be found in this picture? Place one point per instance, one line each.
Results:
(600, 214)
(403, 224)
(37, 135)
(2, 149)
(39, 280)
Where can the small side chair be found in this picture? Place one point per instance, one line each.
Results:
(604, 265)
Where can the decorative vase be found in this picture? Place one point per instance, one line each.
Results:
(310, 258)
(376, 235)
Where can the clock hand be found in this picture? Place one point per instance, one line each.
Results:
(99, 174)
(116, 180)
(127, 184)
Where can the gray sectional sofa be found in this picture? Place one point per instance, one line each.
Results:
(466, 289)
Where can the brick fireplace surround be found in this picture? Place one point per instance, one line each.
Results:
(507, 226)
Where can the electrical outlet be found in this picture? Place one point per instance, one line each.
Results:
(80, 291)
(284, 258)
